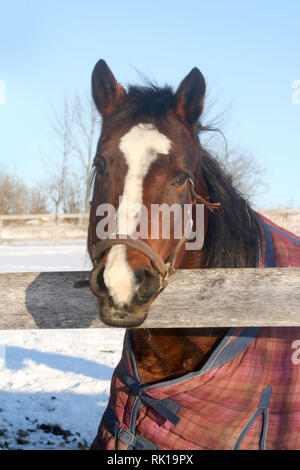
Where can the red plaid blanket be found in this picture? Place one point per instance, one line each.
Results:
(246, 396)
(280, 248)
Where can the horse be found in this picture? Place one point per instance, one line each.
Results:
(181, 388)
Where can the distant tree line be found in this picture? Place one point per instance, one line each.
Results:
(16, 197)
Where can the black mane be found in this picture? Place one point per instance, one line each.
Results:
(233, 234)
(148, 103)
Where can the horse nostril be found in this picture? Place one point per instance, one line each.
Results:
(100, 281)
(149, 284)
(139, 276)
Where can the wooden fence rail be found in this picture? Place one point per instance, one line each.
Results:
(193, 298)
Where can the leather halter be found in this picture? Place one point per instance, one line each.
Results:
(164, 269)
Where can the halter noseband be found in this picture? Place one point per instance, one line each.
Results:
(164, 269)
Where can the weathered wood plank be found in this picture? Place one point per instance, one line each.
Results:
(193, 298)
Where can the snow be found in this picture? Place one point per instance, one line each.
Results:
(44, 256)
(54, 384)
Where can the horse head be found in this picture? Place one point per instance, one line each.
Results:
(146, 160)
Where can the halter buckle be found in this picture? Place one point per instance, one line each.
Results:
(163, 279)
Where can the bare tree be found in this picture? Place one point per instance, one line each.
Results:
(59, 162)
(13, 195)
(74, 189)
(241, 164)
(38, 201)
(69, 166)
(83, 141)
(18, 198)
(247, 174)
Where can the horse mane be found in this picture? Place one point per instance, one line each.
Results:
(233, 235)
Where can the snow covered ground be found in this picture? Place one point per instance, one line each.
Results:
(44, 256)
(54, 384)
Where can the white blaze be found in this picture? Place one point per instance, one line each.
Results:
(140, 146)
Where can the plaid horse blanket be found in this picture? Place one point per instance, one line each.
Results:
(246, 396)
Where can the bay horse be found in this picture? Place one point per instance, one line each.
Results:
(200, 388)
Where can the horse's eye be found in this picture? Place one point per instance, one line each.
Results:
(100, 165)
(180, 179)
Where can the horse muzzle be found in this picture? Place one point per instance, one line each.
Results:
(122, 317)
(150, 281)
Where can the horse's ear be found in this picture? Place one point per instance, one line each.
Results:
(107, 92)
(189, 97)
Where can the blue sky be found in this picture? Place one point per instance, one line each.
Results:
(248, 51)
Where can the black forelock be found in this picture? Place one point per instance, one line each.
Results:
(149, 103)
